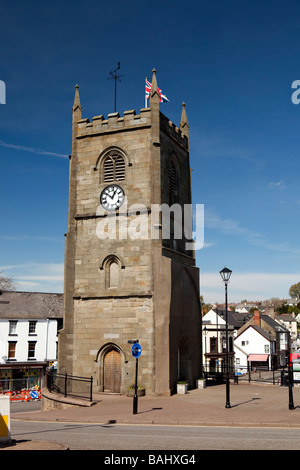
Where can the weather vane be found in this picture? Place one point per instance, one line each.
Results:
(114, 75)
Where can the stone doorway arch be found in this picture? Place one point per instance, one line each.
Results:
(112, 371)
(110, 359)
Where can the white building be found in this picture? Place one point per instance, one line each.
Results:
(29, 322)
(288, 320)
(253, 347)
(264, 341)
(214, 342)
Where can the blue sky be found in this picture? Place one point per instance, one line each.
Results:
(232, 62)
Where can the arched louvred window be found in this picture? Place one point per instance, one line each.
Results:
(114, 168)
(108, 170)
(172, 178)
(119, 168)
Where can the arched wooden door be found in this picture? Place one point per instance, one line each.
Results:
(112, 371)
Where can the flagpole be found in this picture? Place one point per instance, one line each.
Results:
(146, 102)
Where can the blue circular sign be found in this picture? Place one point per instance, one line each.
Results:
(136, 350)
(34, 394)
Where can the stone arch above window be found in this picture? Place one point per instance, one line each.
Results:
(112, 164)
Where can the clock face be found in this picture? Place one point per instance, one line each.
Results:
(112, 197)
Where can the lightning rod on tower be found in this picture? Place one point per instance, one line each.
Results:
(114, 75)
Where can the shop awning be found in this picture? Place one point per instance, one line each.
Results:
(258, 357)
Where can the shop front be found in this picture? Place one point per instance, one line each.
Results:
(22, 381)
(258, 362)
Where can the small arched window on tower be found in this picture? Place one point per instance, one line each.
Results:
(112, 268)
(113, 168)
(173, 181)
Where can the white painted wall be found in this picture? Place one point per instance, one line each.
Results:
(45, 337)
(248, 342)
(214, 318)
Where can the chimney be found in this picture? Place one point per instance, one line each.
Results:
(256, 317)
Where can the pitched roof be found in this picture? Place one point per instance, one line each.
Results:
(237, 319)
(285, 317)
(35, 305)
(273, 324)
(257, 328)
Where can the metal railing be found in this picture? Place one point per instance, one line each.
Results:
(70, 385)
(257, 374)
(217, 375)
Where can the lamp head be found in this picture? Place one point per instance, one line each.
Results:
(225, 274)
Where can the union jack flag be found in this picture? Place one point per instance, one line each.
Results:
(162, 97)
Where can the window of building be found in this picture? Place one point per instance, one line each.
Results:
(13, 327)
(113, 168)
(112, 272)
(173, 178)
(213, 344)
(32, 327)
(31, 349)
(12, 345)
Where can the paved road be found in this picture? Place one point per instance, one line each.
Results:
(131, 437)
(259, 419)
(25, 407)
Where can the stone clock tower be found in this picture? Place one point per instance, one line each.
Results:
(126, 278)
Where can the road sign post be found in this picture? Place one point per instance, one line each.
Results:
(135, 397)
(136, 351)
(291, 399)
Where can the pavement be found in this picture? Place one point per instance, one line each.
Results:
(252, 405)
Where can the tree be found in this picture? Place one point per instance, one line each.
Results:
(293, 309)
(294, 291)
(204, 307)
(283, 309)
(275, 302)
(6, 283)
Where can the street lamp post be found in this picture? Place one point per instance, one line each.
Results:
(225, 275)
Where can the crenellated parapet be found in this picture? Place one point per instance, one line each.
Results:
(114, 123)
(129, 121)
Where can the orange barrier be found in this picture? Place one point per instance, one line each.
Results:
(24, 395)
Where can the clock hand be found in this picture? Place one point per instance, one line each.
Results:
(115, 194)
(112, 197)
